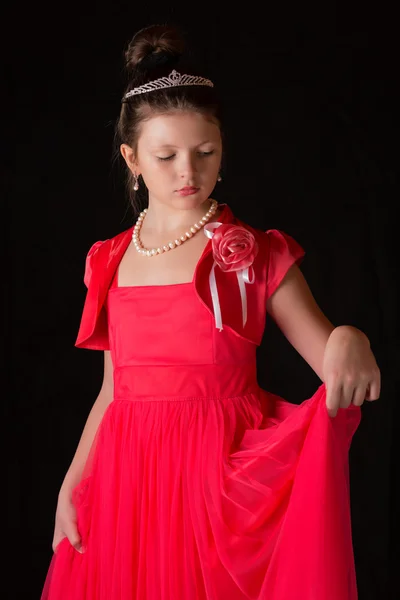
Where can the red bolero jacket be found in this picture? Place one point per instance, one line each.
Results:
(277, 252)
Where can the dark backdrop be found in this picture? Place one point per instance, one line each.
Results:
(309, 108)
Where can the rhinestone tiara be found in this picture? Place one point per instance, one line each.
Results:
(174, 79)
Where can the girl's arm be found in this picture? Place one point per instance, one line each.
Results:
(295, 311)
(66, 518)
(99, 407)
(341, 356)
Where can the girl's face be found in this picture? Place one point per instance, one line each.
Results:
(177, 150)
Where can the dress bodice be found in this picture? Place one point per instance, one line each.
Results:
(160, 335)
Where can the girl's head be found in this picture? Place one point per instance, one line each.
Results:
(170, 138)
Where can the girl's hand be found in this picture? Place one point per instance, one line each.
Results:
(65, 524)
(351, 374)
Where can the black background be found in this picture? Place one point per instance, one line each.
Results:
(309, 98)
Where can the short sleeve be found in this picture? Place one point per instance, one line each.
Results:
(283, 252)
(89, 262)
(93, 330)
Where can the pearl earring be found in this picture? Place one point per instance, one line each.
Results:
(219, 178)
(136, 184)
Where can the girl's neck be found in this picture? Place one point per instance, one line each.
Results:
(163, 220)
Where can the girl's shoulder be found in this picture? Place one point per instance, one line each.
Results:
(273, 240)
(100, 250)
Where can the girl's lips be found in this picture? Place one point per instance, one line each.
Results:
(188, 191)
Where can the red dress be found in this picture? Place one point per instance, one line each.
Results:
(200, 484)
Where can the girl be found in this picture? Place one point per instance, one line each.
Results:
(190, 481)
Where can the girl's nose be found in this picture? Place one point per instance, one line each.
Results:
(187, 167)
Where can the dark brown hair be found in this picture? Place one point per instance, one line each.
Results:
(152, 53)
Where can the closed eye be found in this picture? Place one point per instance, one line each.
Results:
(172, 155)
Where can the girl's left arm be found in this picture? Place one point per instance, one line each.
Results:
(340, 356)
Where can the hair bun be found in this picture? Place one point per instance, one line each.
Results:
(153, 47)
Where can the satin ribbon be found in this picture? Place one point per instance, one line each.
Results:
(243, 276)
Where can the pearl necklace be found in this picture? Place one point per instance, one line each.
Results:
(171, 245)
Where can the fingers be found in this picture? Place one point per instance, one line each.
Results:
(56, 541)
(343, 393)
(374, 391)
(342, 396)
(359, 395)
(71, 531)
(333, 392)
(347, 394)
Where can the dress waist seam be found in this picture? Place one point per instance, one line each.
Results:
(154, 398)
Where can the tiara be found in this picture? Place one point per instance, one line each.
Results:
(174, 79)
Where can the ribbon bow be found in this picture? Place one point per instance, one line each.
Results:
(243, 277)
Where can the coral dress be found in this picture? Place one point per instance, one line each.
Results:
(200, 484)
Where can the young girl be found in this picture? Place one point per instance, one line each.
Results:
(191, 482)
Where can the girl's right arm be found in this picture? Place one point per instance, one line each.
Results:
(65, 522)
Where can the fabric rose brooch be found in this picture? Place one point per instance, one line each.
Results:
(234, 249)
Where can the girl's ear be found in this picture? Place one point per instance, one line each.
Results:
(130, 159)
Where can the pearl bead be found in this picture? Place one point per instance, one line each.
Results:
(173, 244)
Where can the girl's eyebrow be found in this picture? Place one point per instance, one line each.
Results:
(172, 146)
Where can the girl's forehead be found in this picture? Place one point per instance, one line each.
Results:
(173, 127)
(174, 119)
